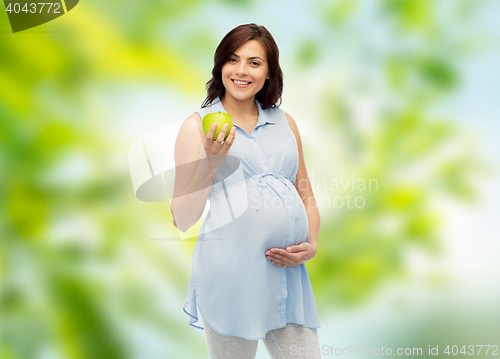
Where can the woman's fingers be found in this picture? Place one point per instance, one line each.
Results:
(278, 259)
(281, 263)
(210, 134)
(230, 139)
(279, 256)
(219, 147)
(222, 134)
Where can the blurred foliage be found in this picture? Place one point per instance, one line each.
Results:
(77, 277)
(360, 249)
(412, 14)
(308, 53)
(338, 12)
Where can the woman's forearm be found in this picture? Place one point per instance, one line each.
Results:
(314, 221)
(187, 207)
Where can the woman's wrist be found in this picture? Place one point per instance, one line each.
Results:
(314, 249)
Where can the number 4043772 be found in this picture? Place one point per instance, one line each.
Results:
(472, 350)
(34, 8)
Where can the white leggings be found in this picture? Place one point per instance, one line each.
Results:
(292, 341)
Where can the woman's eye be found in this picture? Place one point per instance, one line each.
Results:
(255, 63)
(232, 60)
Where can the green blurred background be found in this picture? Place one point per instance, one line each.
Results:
(401, 91)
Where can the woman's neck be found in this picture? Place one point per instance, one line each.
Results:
(242, 109)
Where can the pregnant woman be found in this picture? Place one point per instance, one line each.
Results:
(249, 280)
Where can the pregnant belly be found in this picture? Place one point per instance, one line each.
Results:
(269, 221)
(233, 259)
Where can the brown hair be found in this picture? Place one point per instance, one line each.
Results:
(270, 94)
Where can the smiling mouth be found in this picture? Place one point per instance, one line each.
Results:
(241, 82)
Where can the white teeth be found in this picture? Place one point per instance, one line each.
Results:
(241, 82)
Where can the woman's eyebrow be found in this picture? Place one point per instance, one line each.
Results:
(250, 58)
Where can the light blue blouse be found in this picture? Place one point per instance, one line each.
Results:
(234, 286)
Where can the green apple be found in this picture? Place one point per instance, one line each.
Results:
(220, 118)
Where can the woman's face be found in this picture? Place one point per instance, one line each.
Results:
(246, 71)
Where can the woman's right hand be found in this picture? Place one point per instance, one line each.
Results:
(217, 150)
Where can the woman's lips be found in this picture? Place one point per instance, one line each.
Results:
(239, 85)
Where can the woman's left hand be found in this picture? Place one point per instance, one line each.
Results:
(293, 256)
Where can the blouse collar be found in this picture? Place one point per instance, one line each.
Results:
(263, 114)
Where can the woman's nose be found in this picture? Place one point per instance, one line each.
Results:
(242, 69)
